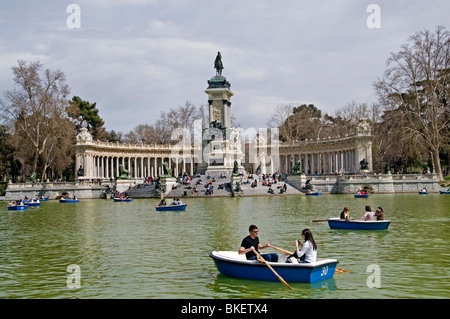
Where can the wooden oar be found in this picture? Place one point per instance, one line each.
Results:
(289, 253)
(270, 267)
(320, 220)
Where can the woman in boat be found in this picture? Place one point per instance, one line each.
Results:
(308, 252)
(345, 213)
(369, 214)
(379, 213)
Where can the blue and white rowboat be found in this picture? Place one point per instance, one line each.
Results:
(314, 194)
(32, 204)
(123, 199)
(231, 264)
(337, 223)
(18, 207)
(361, 195)
(69, 201)
(170, 207)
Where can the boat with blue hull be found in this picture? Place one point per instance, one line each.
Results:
(231, 264)
(337, 223)
(314, 194)
(69, 201)
(444, 192)
(170, 207)
(33, 204)
(361, 195)
(18, 207)
(123, 199)
(423, 193)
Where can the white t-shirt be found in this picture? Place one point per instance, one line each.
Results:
(368, 216)
(308, 251)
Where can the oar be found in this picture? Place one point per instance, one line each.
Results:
(320, 220)
(289, 253)
(270, 267)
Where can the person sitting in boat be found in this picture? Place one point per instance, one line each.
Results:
(379, 213)
(424, 190)
(252, 241)
(162, 203)
(12, 203)
(74, 197)
(308, 252)
(176, 202)
(345, 213)
(369, 214)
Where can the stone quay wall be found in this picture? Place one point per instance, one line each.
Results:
(54, 190)
(333, 184)
(385, 183)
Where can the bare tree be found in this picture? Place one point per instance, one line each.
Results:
(282, 119)
(416, 83)
(34, 108)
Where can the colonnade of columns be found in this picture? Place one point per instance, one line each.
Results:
(321, 163)
(107, 166)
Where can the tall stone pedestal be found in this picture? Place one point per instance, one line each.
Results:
(124, 184)
(234, 191)
(297, 181)
(164, 187)
(168, 182)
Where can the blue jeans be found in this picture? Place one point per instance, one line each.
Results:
(267, 257)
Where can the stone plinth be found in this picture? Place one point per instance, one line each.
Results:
(233, 181)
(124, 184)
(168, 182)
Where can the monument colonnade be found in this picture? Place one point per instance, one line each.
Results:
(332, 156)
(101, 160)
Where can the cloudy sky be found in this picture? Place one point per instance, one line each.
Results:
(137, 58)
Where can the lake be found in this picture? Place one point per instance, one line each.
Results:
(128, 250)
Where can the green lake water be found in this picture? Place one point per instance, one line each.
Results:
(128, 250)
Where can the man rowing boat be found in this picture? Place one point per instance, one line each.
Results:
(252, 241)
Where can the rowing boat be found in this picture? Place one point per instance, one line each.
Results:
(337, 223)
(444, 192)
(171, 207)
(314, 194)
(69, 201)
(123, 199)
(361, 195)
(231, 264)
(18, 207)
(423, 193)
(31, 204)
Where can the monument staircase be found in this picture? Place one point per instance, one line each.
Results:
(141, 191)
(182, 190)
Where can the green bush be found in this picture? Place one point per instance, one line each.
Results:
(3, 186)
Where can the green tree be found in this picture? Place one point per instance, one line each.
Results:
(85, 114)
(6, 153)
